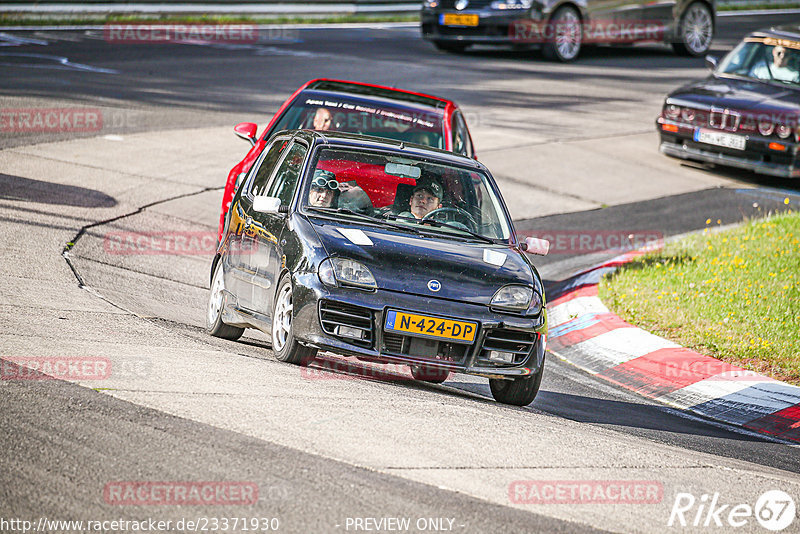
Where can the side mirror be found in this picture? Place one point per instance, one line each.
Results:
(533, 245)
(247, 131)
(711, 63)
(264, 204)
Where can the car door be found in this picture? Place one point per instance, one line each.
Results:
(242, 253)
(269, 227)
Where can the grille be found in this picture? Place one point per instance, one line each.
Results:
(724, 119)
(339, 320)
(418, 347)
(514, 341)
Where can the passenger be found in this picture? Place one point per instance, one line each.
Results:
(779, 69)
(324, 189)
(323, 119)
(426, 197)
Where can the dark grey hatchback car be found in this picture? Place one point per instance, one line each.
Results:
(562, 27)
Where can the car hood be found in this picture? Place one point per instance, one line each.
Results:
(741, 95)
(405, 262)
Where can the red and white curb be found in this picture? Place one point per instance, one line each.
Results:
(584, 332)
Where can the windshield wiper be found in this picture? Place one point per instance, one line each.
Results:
(443, 224)
(363, 216)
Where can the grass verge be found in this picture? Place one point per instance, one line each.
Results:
(733, 295)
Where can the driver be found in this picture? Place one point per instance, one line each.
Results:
(324, 189)
(779, 69)
(426, 197)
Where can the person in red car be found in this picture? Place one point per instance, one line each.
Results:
(323, 119)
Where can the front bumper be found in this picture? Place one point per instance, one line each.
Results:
(494, 28)
(757, 156)
(308, 330)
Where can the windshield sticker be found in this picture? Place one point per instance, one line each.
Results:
(772, 41)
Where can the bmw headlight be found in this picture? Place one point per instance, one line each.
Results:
(513, 298)
(511, 4)
(347, 272)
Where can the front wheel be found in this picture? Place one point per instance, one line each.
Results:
(517, 392)
(216, 300)
(284, 344)
(695, 31)
(565, 35)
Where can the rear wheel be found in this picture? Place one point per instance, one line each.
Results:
(695, 31)
(517, 392)
(433, 375)
(216, 299)
(449, 46)
(566, 35)
(284, 344)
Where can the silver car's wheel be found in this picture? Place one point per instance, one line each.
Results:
(696, 31)
(566, 35)
(214, 324)
(285, 346)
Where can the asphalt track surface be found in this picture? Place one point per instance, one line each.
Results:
(589, 129)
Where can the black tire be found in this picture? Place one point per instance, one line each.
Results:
(695, 31)
(449, 46)
(433, 375)
(284, 344)
(517, 392)
(214, 324)
(563, 52)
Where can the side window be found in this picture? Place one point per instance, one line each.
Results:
(461, 142)
(260, 180)
(285, 182)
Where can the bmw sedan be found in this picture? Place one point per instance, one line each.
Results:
(384, 251)
(561, 27)
(746, 114)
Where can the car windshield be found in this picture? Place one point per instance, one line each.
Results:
(397, 190)
(321, 111)
(766, 59)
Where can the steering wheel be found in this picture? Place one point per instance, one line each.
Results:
(453, 215)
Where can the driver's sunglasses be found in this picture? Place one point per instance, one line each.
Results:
(325, 184)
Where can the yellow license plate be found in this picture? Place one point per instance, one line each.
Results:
(426, 326)
(459, 19)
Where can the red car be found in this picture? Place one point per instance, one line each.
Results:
(358, 108)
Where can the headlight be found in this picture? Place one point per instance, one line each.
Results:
(347, 272)
(672, 111)
(515, 298)
(783, 131)
(511, 4)
(430, 3)
(536, 304)
(687, 114)
(765, 127)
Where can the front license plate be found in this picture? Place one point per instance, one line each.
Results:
(719, 139)
(426, 326)
(458, 19)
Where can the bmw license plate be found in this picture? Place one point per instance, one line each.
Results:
(458, 19)
(723, 139)
(427, 326)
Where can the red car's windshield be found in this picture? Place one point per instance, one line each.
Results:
(321, 111)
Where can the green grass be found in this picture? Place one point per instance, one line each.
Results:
(733, 295)
(50, 20)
